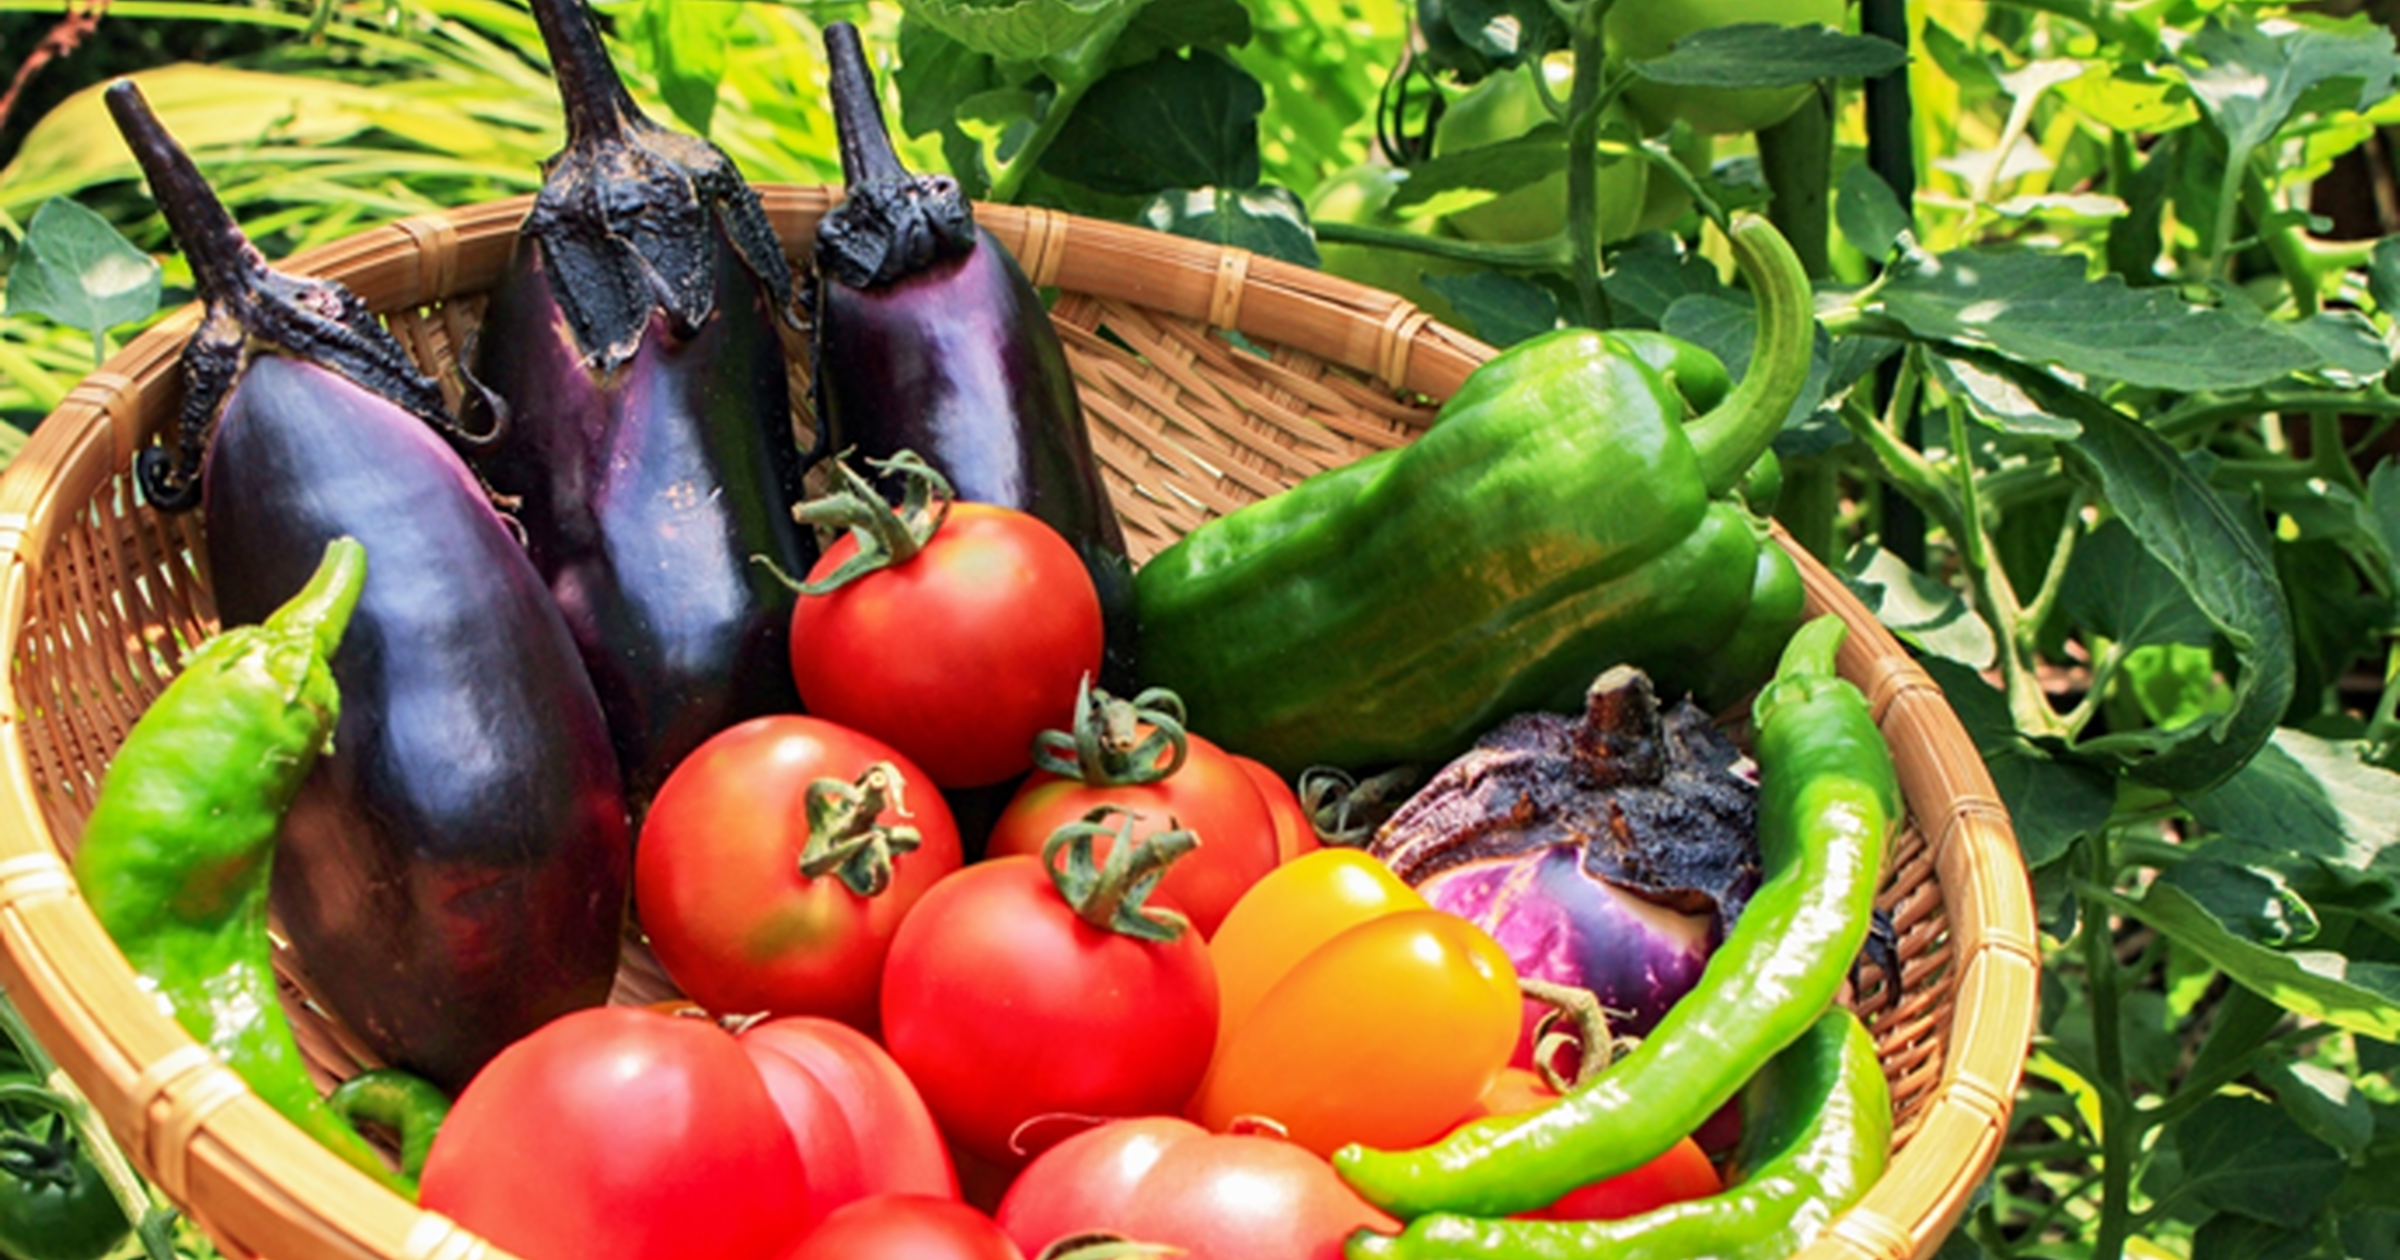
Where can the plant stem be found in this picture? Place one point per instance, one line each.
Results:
(2117, 1117)
(1584, 104)
(1543, 255)
(1011, 179)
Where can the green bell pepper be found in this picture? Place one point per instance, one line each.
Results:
(1561, 515)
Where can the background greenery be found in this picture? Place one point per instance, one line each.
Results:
(2101, 423)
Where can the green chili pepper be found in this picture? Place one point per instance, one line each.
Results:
(1816, 1132)
(1828, 802)
(1560, 516)
(176, 857)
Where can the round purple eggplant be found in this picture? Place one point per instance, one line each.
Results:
(453, 874)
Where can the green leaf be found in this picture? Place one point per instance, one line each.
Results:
(2174, 684)
(2250, 81)
(687, 50)
(1158, 29)
(2244, 1156)
(2115, 588)
(2051, 804)
(2351, 353)
(1441, 185)
(2222, 563)
(1504, 32)
(1930, 616)
(2311, 797)
(1996, 400)
(1173, 122)
(1499, 308)
(2253, 904)
(2042, 308)
(2325, 1103)
(2363, 997)
(1762, 54)
(1023, 30)
(936, 76)
(1649, 273)
(1869, 212)
(2231, 1236)
(2383, 275)
(75, 268)
(2379, 514)
(1264, 220)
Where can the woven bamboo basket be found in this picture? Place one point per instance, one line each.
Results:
(99, 597)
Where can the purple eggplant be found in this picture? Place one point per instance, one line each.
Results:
(632, 357)
(929, 338)
(454, 872)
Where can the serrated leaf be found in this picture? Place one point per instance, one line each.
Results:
(2115, 588)
(2244, 1156)
(2254, 904)
(2222, 562)
(2315, 798)
(2363, 997)
(2079, 207)
(1265, 220)
(1930, 616)
(2042, 308)
(1499, 308)
(1173, 122)
(2250, 78)
(75, 268)
(1763, 54)
(1022, 30)
(1996, 400)
(1869, 213)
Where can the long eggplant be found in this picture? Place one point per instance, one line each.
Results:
(929, 338)
(633, 354)
(454, 872)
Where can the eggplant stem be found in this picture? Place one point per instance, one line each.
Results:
(224, 262)
(598, 107)
(867, 153)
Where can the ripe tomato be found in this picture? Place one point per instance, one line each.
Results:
(620, 1133)
(1209, 795)
(1385, 1034)
(861, 1126)
(1639, 30)
(907, 1227)
(1167, 1181)
(1683, 1172)
(718, 881)
(1295, 832)
(959, 655)
(1005, 1006)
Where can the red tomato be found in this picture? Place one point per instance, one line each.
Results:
(959, 655)
(1005, 1007)
(1167, 1181)
(718, 884)
(620, 1133)
(1209, 795)
(861, 1127)
(1683, 1172)
(1295, 832)
(907, 1227)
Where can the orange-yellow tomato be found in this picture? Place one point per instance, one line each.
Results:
(1384, 1033)
(1287, 914)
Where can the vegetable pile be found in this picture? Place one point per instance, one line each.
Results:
(492, 691)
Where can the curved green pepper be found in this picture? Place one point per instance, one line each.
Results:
(1394, 609)
(176, 857)
(1816, 1133)
(1828, 801)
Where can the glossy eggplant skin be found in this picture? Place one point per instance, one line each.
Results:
(928, 337)
(454, 874)
(644, 494)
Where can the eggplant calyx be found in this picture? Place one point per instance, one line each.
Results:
(250, 305)
(1113, 894)
(630, 213)
(1117, 743)
(891, 224)
(846, 838)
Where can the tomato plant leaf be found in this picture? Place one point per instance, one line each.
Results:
(2383, 274)
(2323, 1102)
(2250, 80)
(2245, 1156)
(1264, 220)
(75, 268)
(1023, 30)
(1648, 273)
(1172, 122)
(2051, 803)
(937, 75)
(1158, 29)
(2311, 797)
(2363, 997)
(1434, 186)
(2116, 588)
(1996, 400)
(1503, 32)
(2042, 308)
(2232, 1236)
(1500, 308)
(2351, 353)
(1763, 54)
(1869, 213)
(1932, 617)
(2254, 904)
(685, 46)
(2379, 515)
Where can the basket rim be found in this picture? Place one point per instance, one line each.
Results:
(188, 1120)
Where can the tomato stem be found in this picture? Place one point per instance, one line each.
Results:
(846, 839)
(1113, 893)
(887, 536)
(1110, 746)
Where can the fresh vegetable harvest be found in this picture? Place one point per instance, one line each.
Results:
(1560, 516)
(1027, 996)
(632, 364)
(1828, 800)
(929, 338)
(1817, 1130)
(956, 632)
(177, 856)
(454, 871)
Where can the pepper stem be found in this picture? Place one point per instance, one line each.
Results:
(1733, 434)
(1808, 660)
(845, 838)
(323, 607)
(407, 1104)
(1117, 743)
(887, 536)
(1113, 894)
